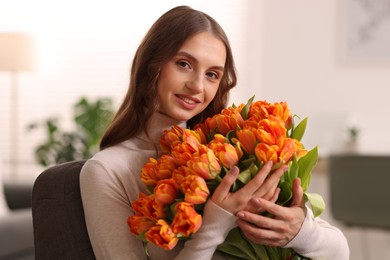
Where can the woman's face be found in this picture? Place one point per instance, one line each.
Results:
(189, 81)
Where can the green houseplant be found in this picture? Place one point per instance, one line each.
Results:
(90, 120)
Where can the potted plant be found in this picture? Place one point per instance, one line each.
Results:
(90, 120)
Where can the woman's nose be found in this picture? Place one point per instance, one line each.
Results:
(195, 84)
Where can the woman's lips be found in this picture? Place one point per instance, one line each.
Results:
(187, 102)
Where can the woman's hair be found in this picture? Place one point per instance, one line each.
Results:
(159, 45)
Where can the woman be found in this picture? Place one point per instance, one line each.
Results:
(181, 74)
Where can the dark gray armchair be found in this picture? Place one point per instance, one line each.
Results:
(58, 217)
(359, 189)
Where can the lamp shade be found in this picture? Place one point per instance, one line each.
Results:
(17, 52)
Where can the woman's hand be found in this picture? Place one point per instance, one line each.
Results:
(281, 229)
(245, 198)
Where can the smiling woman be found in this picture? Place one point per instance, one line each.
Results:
(175, 79)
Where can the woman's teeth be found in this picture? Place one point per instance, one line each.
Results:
(187, 100)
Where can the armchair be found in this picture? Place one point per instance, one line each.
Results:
(58, 217)
(359, 189)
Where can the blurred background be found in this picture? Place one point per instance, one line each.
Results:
(329, 59)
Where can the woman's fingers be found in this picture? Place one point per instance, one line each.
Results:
(222, 191)
(253, 185)
(275, 196)
(297, 199)
(278, 211)
(267, 190)
(254, 205)
(285, 223)
(260, 229)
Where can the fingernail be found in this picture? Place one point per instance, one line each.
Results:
(257, 201)
(234, 170)
(240, 215)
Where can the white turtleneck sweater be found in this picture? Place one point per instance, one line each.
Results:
(110, 182)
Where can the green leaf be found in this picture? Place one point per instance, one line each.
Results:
(253, 169)
(285, 193)
(293, 170)
(245, 176)
(299, 130)
(317, 203)
(245, 110)
(248, 162)
(236, 245)
(306, 165)
(260, 250)
(273, 253)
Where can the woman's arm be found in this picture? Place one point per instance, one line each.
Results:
(106, 210)
(317, 239)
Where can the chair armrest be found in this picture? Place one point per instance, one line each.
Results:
(18, 195)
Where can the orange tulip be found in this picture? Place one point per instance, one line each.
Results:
(182, 153)
(229, 120)
(301, 150)
(228, 155)
(186, 220)
(156, 170)
(282, 111)
(234, 115)
(258, 110)
(291, 147)
(170, 137)
(225, 152)
(191, 139)
(149, 172)
(247, 139)
(195, 189)
(265, 152)
(271, 131)
(203, 127)
(166, 165)
(141, 203)
(212, 124)
(166, 191)
(217, 138)
(204, 163)
(237, 146)
(146, 205)
(251, 123)
(225, 124)
(180, 173)
(197, 134)
(162, 235)
(288, 150)
(139, 224)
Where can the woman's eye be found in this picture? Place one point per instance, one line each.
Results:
(212, 74)
(183, 64)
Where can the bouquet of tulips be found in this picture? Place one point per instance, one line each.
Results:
(194, 161)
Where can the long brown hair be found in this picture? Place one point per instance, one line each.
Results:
(160, 44)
